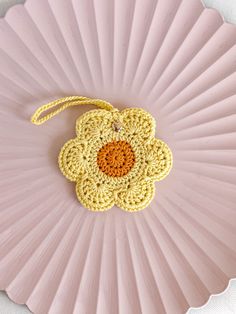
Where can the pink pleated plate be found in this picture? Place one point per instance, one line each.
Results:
(173, 58)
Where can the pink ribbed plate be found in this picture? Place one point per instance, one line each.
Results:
(177, 60)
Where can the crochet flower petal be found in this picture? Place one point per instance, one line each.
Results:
(94, 196)
(95, 123)
(138, 122)
(158, 159)
(137, 196)
(71, 159)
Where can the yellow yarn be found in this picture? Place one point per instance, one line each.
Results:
(64, 103)
(127, 183)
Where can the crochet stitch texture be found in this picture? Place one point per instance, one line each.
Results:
(115, 167)
(114, 158)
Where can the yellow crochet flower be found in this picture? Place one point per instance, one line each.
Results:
(115, 159)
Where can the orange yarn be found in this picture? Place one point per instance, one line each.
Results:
(116, 158)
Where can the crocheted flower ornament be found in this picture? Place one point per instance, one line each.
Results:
(115, 159)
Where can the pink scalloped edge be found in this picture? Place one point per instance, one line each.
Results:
(203, 5)
(11, 297)
(214, 9)
(214, 295)
(201, 305)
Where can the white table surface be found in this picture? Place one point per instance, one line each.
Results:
(224, 303)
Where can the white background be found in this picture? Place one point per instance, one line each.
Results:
(225, 303)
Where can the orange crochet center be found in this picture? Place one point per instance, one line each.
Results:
(116, 158)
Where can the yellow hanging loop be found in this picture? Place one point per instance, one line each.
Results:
(66, 102)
